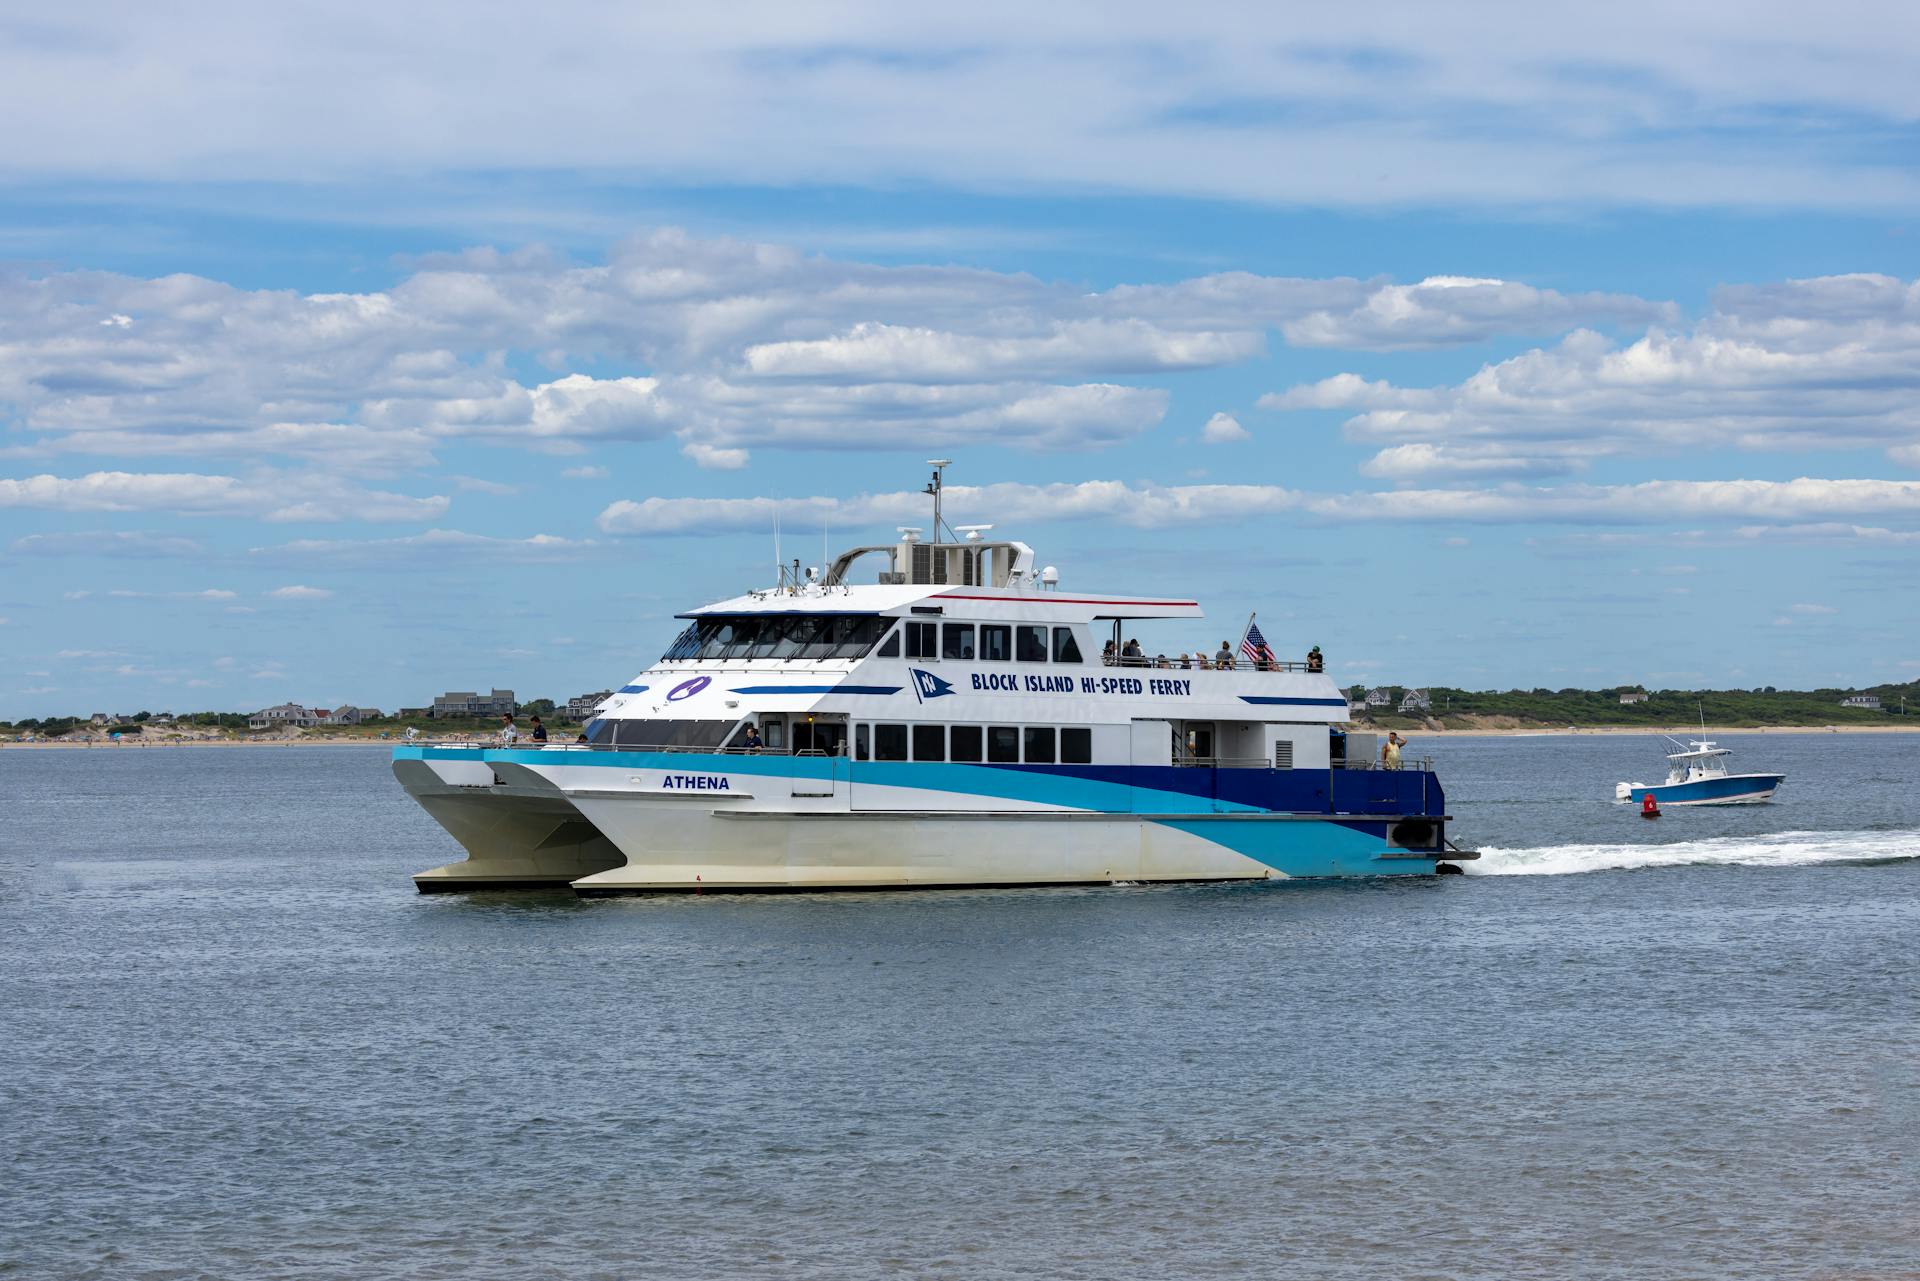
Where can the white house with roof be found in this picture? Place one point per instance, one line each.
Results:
(1416, 701)
(1869, 701)
(1628, 697)
(1381, 697)
(282, 715)
(583, 706)
(469, 703)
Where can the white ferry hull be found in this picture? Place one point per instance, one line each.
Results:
(567, 824)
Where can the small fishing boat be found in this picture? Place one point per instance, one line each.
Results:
(1697, 775)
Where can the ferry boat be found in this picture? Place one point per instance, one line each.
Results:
(1698, 775)
(961, 720)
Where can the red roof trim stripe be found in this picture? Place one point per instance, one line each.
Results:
(1050, 599)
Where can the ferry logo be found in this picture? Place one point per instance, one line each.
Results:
(926, 685)
(687, 689)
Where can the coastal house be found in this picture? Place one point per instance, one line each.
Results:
(1631, 696)
(344, 715)
(1416, 701)
(284, 714)
(582, 707)
(468, 703)
(1869, 701)
(1382, 697)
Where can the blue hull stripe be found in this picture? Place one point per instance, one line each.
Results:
(1281, 701)
(633, 689)
(818, 689)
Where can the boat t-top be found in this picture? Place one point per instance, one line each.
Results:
(958, 719)
(1698, 775)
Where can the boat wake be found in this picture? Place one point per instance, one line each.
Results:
(1777, 849)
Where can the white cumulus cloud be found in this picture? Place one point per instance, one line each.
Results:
(1224, 429)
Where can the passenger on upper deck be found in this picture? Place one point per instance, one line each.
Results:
(1315, 663)
(751, 741)
(1106, 654)
(1133, 655)
(1224, 659)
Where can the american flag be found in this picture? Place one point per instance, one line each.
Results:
(1254, 645)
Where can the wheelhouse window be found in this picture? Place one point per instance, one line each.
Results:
(923, 639)
(996, 643)
(1065, 648)
(956, 642)
(966, 742)
(1076, 745)
(889, 742)
(929, 742)
(685, 645)
(779, 636)
(890, 648)
(1039, 744)
(1030, 644)
(1003, 745)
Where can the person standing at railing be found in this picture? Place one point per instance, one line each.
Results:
(1133, 655)
(1390, 750)
(508, 731)
(539, 734)
(752, 740)
(1224, 659)
(1315, 663)
(1107, 654)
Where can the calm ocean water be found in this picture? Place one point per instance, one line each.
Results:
(235, 1043)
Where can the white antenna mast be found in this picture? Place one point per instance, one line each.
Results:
(934, 487)
(779, 566)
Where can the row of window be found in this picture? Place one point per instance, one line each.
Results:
(775, 636)
(780, 636)
(994, 744)
(997, 643)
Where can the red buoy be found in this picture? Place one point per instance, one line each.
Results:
(1648, 809)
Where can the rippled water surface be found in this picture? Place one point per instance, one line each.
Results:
(235, 1043)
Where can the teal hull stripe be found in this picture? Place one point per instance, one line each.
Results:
(1305, 849)
(961, 780)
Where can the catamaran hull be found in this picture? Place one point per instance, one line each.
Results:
(532, 826)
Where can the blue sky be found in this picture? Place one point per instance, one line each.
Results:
(351, 358)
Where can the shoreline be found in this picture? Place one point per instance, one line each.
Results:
(1598, 731)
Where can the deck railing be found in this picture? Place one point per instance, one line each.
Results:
(1412, 763)
(1424, 763)
(1189, 663)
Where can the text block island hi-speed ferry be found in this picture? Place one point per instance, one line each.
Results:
(960, 722)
